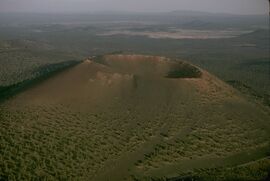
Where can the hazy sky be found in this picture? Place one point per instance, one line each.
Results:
(224, 6)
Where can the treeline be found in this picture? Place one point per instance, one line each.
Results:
(42, 73)
(250, 92)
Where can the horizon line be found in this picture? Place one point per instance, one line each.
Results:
(130, 12)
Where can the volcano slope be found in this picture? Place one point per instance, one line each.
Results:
(128, 117)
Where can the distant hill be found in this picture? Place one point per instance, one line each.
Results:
(179, 17)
